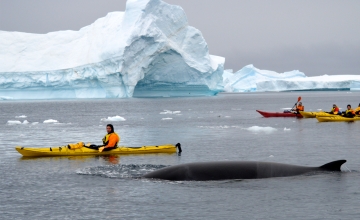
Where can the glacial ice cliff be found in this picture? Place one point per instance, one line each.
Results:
(323, 83)
(248, 78)
(148, 50)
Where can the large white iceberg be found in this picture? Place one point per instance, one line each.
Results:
(326, 82)
(148, 50)
(248, 78)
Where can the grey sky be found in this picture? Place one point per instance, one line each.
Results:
(314, 36)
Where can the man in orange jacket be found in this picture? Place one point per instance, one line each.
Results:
(299, 108)
(110, 140)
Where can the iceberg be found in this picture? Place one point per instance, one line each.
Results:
(323, 83)
(147, 50)
(248, 78)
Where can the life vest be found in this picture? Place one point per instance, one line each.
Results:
(350, 112)
(357, 110)
(335, 110)
(107, 137)
(300, 108)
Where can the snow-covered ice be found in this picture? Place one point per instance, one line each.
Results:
(247, 79)
(114, 118)
(21, 116)
(325, 82)
(14, 122)
(50, 121)
(257, 129)
(147, 50)
(166, 112)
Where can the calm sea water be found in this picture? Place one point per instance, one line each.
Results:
(209, 128)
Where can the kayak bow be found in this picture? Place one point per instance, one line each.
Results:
(279, 114)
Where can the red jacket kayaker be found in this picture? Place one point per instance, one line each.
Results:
(335, 110)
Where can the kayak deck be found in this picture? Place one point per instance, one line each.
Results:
(316, 114)
(337, 119)
(64, 151)
(278, 114)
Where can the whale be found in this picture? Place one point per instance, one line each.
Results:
(225, 170)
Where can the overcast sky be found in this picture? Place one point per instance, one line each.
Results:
(314, 36)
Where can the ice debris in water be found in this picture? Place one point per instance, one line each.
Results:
(17, 122)
(50, 121)
(168, 112)
(271, 156)
(114, 118)
(258, 129)
(14, 122)
(21, 116)
(287, 129)
(35, 123)
(166, 119)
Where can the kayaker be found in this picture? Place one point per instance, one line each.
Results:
(335, 110)
(299, 108)
(110, 140)
(357, 110)
(349, 113)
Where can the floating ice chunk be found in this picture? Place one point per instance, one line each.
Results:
(115, 118)
(258, 129)
(287, 129)
(21, 116)
(25, 122)
(50, 121)
(35, 123)
(168, 112)
(166, 119)
(14, 122)
(271, 156)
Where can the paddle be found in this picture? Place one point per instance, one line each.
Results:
(299, 99)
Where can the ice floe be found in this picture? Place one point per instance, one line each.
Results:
(166, 119)
(168, 112)
(258, 129)
(114, 118)
(21, 116)
(51, 121)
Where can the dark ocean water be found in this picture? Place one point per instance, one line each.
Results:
(209, 128)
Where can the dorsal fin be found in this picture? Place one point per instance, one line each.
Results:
(333, 166)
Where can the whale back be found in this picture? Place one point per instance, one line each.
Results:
(203, 171)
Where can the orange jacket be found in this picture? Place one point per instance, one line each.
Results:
(111, 140)
(300, 108)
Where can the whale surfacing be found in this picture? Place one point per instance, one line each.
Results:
(204, 171)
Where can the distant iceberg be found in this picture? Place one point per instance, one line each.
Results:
(248, 78)
(148, 50)
(323, 83)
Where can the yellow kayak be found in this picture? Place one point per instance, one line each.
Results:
(316, 114)
(84, 151)
(337, 119)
